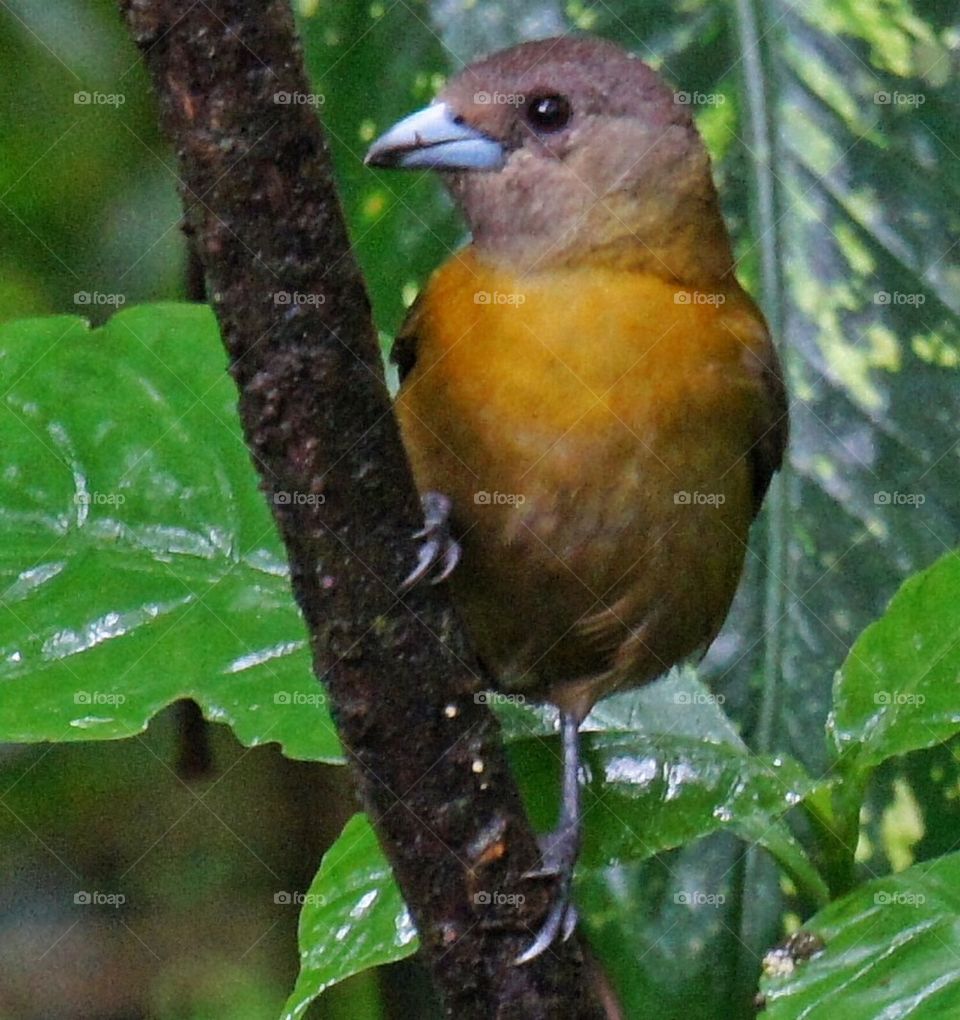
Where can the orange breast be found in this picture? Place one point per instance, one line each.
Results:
(592, 428)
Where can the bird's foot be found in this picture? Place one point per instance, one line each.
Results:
(558, 856)
(558, 852)
(440, 551)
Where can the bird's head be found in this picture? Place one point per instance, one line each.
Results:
(569, 150)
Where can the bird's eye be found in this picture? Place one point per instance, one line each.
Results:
(549, 113)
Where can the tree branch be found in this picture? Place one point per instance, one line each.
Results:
(261, 205)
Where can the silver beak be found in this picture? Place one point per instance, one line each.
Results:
(434, 139)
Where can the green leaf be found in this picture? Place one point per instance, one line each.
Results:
(138, 562)
(899, 689)
(667, 768)
(353, 917)
(665, 792)
(654, 794)
(652, 790)
(677, 704)
(892, 951)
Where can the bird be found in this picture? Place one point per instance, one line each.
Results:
(591, 404)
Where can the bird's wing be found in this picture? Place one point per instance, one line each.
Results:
(404, 351)
(772, 425)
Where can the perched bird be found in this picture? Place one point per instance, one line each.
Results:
(591, 404)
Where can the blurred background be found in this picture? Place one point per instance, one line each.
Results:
(837, 158)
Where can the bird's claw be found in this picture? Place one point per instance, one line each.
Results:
(561, 921)
(558, 856)
(439, 548)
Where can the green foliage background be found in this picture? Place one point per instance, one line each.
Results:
(836, 147)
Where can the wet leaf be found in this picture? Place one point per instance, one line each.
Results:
(353, 917)
(891, 950)
(899, 689)
(139, 564)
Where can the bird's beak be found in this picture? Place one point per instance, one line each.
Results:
(434, 139)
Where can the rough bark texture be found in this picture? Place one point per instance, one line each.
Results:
(262, 209)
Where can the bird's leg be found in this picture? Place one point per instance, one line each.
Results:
(439, 549)
(561, 847)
